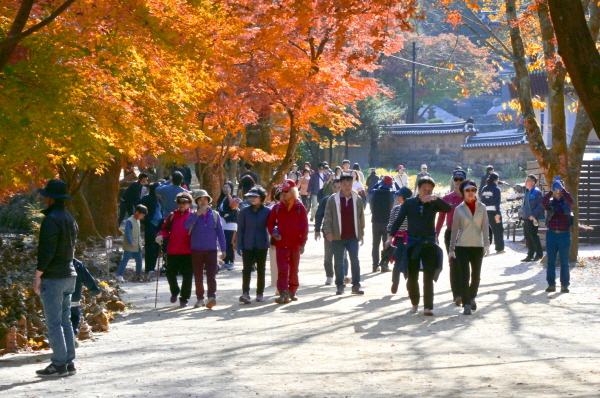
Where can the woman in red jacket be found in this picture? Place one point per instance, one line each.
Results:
(288, 225)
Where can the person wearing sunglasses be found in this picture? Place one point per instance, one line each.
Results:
(421, 244)
(454, 198)
(469, 243)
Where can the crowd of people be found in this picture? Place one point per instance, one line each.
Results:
(192, 231)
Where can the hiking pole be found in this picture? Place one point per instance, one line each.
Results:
(157, 277)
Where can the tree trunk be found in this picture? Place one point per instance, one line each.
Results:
(314, 148)
(101, 193)
(78, 206)
(374, 150)
(330, 150)
(289, 153)
(259, 136)
(578, 50)
(346, 150)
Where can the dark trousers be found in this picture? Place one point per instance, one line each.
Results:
(151, 248)
(176, 264)
(350, 246)
(429, 259)
(454, 275)
(205, 259)
(328, 260)
(229, 252)
(497, 230)
(249, 258)
(469, 261)
(379, 236)
(400, 248)
(75, 320)
(125, 210)
(534, 246)
(558, 243)
(306, 201)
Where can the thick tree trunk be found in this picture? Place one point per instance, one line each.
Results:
(78, 206)
(346, 150)
(314, 148)
(289, 153)
(101, 193)
(578, 50)
(259, 136)
(374, 150)
(330, 150)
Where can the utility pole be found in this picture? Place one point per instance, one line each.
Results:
(414, 84)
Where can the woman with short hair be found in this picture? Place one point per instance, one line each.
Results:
(469, 243)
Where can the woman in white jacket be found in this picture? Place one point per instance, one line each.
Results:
(469, 243)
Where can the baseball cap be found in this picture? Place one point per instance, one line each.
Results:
(459, 173)
(287, 185)
(400, 167)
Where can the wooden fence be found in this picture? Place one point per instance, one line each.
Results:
(589, 198)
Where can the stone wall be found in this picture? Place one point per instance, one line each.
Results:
(444, 152)
(500, 157)
(439, 151)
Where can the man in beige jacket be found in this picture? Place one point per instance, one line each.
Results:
(344, 226)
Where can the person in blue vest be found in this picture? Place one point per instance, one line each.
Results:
(491, 196)
(533, 211)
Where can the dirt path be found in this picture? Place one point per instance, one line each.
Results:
(521, 342)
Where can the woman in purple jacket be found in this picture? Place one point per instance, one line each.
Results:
(206, 232)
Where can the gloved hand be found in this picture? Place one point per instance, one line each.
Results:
(239, 251)
(159, 239)
(486, 251)
(451, 254)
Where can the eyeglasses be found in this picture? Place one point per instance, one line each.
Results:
(471, 190)
(457, 179)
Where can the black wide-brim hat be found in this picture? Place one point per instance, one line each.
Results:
(55, 189)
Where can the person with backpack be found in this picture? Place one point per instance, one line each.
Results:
(206, 232)
(288, 225)
(469, 243)
(176, 238)
(253, 242)
(558, 204)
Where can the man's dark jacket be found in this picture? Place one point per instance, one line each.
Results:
(84, 278)
(58, 234)
(383, 201)
(132, 194)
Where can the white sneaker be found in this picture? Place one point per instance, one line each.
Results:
(329, 281)
(199, 303)
(120, 279)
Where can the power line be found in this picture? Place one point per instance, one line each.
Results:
(429, 66)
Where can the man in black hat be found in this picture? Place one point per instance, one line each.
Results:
(55, 277)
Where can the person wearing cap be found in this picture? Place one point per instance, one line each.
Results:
(400, 238)
(328, 256)
(558, 204)
(422, 174)
(491, 196)
(288, 225)
(294, 174)
(532, 213)
(206, 232)
(454, 198)
(469, 243)
(421, 245)
(55, 277)
(401, 178)
(484, 179)
(253, 242)
(344, 226)
(176, 238)
(132, 243)
(383, 201)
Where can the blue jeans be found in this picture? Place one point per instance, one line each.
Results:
(56, 299)
(558, 243)
(328, 260)
(138, 262)
(351, 246)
